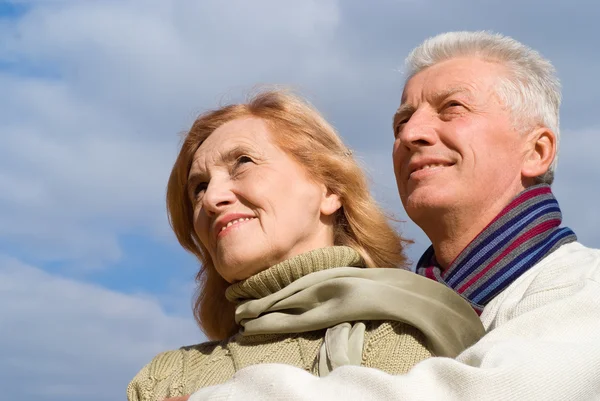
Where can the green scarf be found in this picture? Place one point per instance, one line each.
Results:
(309, 292)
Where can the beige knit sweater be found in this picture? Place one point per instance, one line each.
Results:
(393, 347)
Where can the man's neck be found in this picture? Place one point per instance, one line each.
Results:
(479, 262)
(451, 231)
(449, 238)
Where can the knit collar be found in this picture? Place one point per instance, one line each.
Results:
(525, 231)
(282, 274)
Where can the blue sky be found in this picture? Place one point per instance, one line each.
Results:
(94, 97)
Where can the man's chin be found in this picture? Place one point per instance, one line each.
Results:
(422, 203)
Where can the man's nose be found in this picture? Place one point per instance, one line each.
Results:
(418, 131)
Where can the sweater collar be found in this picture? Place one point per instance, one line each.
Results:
(525, 231)
(282, 274)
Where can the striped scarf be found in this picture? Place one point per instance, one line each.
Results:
(519, 237)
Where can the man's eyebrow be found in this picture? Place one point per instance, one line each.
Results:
(442, 95)
(403, 111)
(407, 109)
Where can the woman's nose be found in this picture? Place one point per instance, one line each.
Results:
(218, 196)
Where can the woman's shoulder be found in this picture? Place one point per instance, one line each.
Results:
(165, 363)
(168, 373)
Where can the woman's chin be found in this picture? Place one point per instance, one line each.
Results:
(238, 269)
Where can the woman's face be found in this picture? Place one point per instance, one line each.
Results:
(255, 206)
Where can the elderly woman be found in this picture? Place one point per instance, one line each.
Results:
(279, 214)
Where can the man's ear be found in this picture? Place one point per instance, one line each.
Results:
(541, 151)
(330, 202)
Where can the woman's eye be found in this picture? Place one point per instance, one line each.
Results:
(200, 188)
(244, 159)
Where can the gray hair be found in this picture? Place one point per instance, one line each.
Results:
(531, 90)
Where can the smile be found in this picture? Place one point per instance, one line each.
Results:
(226, 228)
(236, 221)
(428, 166)
(425, 170)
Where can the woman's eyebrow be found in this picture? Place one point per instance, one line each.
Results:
(235, 152)
(194, 178)
(228, 156)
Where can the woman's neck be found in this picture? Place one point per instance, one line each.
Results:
(286, 272)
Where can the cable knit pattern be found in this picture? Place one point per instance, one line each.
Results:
(283, 274)
(391, 346)
(542, 341)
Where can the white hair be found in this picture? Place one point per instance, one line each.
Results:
(531, 90)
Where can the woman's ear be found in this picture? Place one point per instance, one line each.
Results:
(541, 152)
(330, 202)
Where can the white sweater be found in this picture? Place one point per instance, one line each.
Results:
(542, 343)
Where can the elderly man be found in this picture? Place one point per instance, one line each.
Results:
(474, 156)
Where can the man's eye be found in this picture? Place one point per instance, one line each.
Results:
(399, 126)
(453, 104)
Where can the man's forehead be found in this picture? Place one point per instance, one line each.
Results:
(439, 92)
(467, 76)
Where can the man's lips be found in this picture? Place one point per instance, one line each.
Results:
(424, 166)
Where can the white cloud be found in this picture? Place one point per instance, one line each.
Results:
(576, 186)
(72, 177)
(98, 92)
(62, 339)
(93, 96)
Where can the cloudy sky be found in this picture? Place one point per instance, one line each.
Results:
(94, 96)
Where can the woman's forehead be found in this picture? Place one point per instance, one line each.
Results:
(232, 140)
(245, 131)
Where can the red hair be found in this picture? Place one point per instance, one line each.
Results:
(299, 130)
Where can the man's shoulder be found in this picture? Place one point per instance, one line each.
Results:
(570, 265)
(559, 277)
(571, 262)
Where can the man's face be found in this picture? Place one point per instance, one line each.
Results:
(456, 148)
